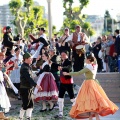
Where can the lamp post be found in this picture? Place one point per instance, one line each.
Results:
(112, 23)
(49, 19)
(105, 23)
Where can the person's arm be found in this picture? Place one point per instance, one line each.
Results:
(35, 41)
(32, 37)
(68, 66)
(77, 73)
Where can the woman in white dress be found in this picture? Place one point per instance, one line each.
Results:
(4, 100)
(15, 74)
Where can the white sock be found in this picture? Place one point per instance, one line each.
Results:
(44, 105)
(22, 112)
(51, 104)
(29, 113)
(61, 104)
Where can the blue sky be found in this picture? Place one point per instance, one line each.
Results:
(96, 7)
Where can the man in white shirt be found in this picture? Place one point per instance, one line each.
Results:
(77, 38)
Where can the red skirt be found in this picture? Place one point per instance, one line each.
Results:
(49, 87)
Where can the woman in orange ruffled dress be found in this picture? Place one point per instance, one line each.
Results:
(91, 100)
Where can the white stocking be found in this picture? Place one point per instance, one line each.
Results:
(61, 104)
(22, 112)
(44, 105)
(51, 104)
(29, 113)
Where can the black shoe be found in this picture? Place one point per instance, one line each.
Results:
(52, 108)
(58, 116)
(43, 110)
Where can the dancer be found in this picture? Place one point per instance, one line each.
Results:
(4, 100)
(49, 88)
(66, 83)
(91, 100)
(27, 85)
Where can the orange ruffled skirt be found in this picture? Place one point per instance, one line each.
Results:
(92, 98)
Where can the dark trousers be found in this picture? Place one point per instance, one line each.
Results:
(78, 61)
(64, 88)
(99, 62)
(27, 99)
(57, 80)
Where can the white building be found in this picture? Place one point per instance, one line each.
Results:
(118, 20)
(6, 18)
(97, 23)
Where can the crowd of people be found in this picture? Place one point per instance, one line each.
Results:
(44, 68)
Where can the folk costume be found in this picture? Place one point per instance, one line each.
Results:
(7, 41)
(76, 39)
(49, 88)
(47, 81)
(15, 73)
(91, 97)
(54, 69)
(4, 100)
(27, 85)
(66, 84)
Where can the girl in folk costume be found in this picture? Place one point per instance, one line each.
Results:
(91, 100)
(49, 88)
(4, 100)
(15, 74)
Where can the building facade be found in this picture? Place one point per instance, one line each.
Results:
(6, 18)
(97, 23)
(118, 20)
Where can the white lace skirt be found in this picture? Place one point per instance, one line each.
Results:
(4, 100)
(15, 75)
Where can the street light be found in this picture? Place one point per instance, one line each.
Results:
(105, 21)
(112, 23)
(49, 19)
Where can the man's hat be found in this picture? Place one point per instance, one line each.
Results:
(26, 55)
(79, 47)
(8, 27)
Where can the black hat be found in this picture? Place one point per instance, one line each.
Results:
(26, 55)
